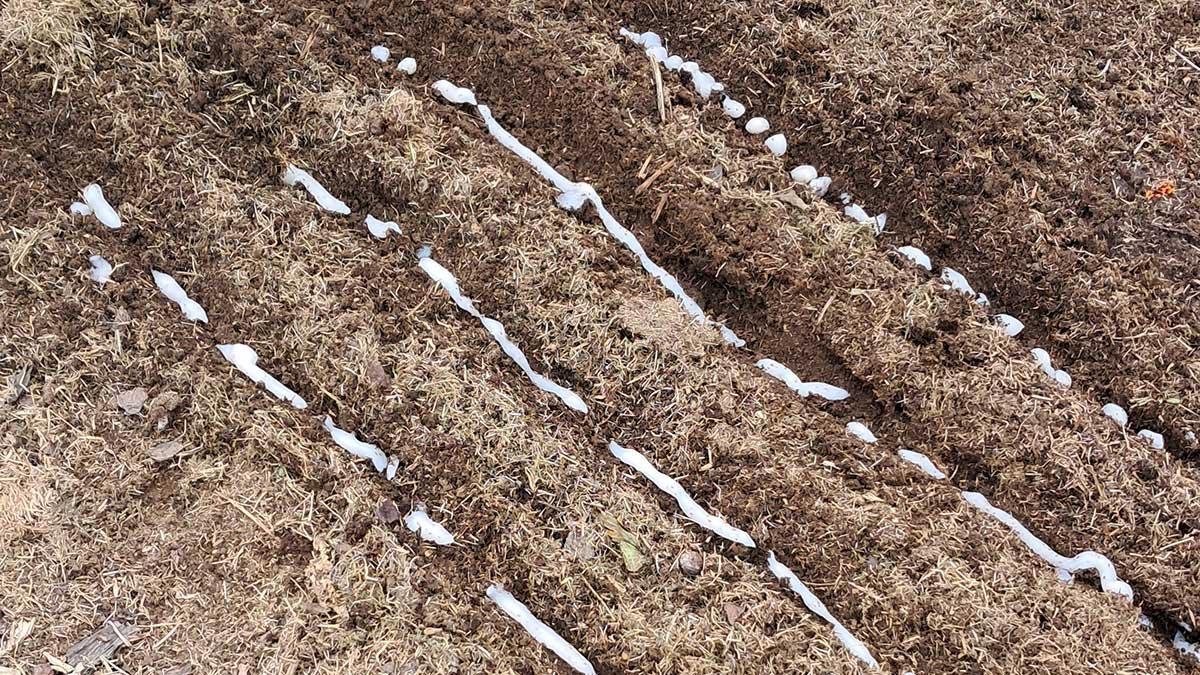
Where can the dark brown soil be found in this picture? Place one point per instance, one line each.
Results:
(189, 140)
(1021, 165)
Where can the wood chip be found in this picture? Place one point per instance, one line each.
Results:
(101, 645)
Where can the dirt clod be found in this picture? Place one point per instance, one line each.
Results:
(387, 512)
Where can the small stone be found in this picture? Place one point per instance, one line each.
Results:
(131, 402)
(691, 563)
(377, 376)
(734, 611)
(716, 173)
(164, 452)
(387, 512)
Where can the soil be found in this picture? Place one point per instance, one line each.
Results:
(1022, 163)
(262, 545)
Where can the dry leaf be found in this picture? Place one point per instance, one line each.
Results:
(734, 611)
(791, 198)
(631, 555)
(18, 384)
(160, 408)
(578, 545)
(165, 451)
(131, 401)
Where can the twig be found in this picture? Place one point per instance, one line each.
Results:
(1186, 59)
(659, 209)
(658, 90)
(654, 176)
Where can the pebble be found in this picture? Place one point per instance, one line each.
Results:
(691, 563)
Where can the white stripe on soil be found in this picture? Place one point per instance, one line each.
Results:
(192, 311)
(1088, 560)
(785, 375)
(813, 603)
(244, 358)
(539, 631)
(294, 175)
(447, 281)
(690, 508)
(574, 195)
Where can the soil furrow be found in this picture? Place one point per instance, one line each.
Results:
(757, 253)
(893, 555)
(1027, 179)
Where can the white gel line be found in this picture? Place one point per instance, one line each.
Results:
(1116, 413)
(245, 359)
(350, 443)
(380, 228)
(777, 144)
(294, 175)
(1181, 644)
(1155, 438)
(573, 195)
(428, 529)
(192, 311)
(690, 508)
(922, 462)
(784, 374)
(861, 431)
(447, 281)
(1043, 359)
(919, 258)
(757, 125)
(101, 269)
(539, 631)
(804, 174)
(98, 205)
(1011, 325)
(814, 604)
(1088, 560)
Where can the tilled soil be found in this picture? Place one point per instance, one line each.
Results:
(264, 546)
(1018, 151)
